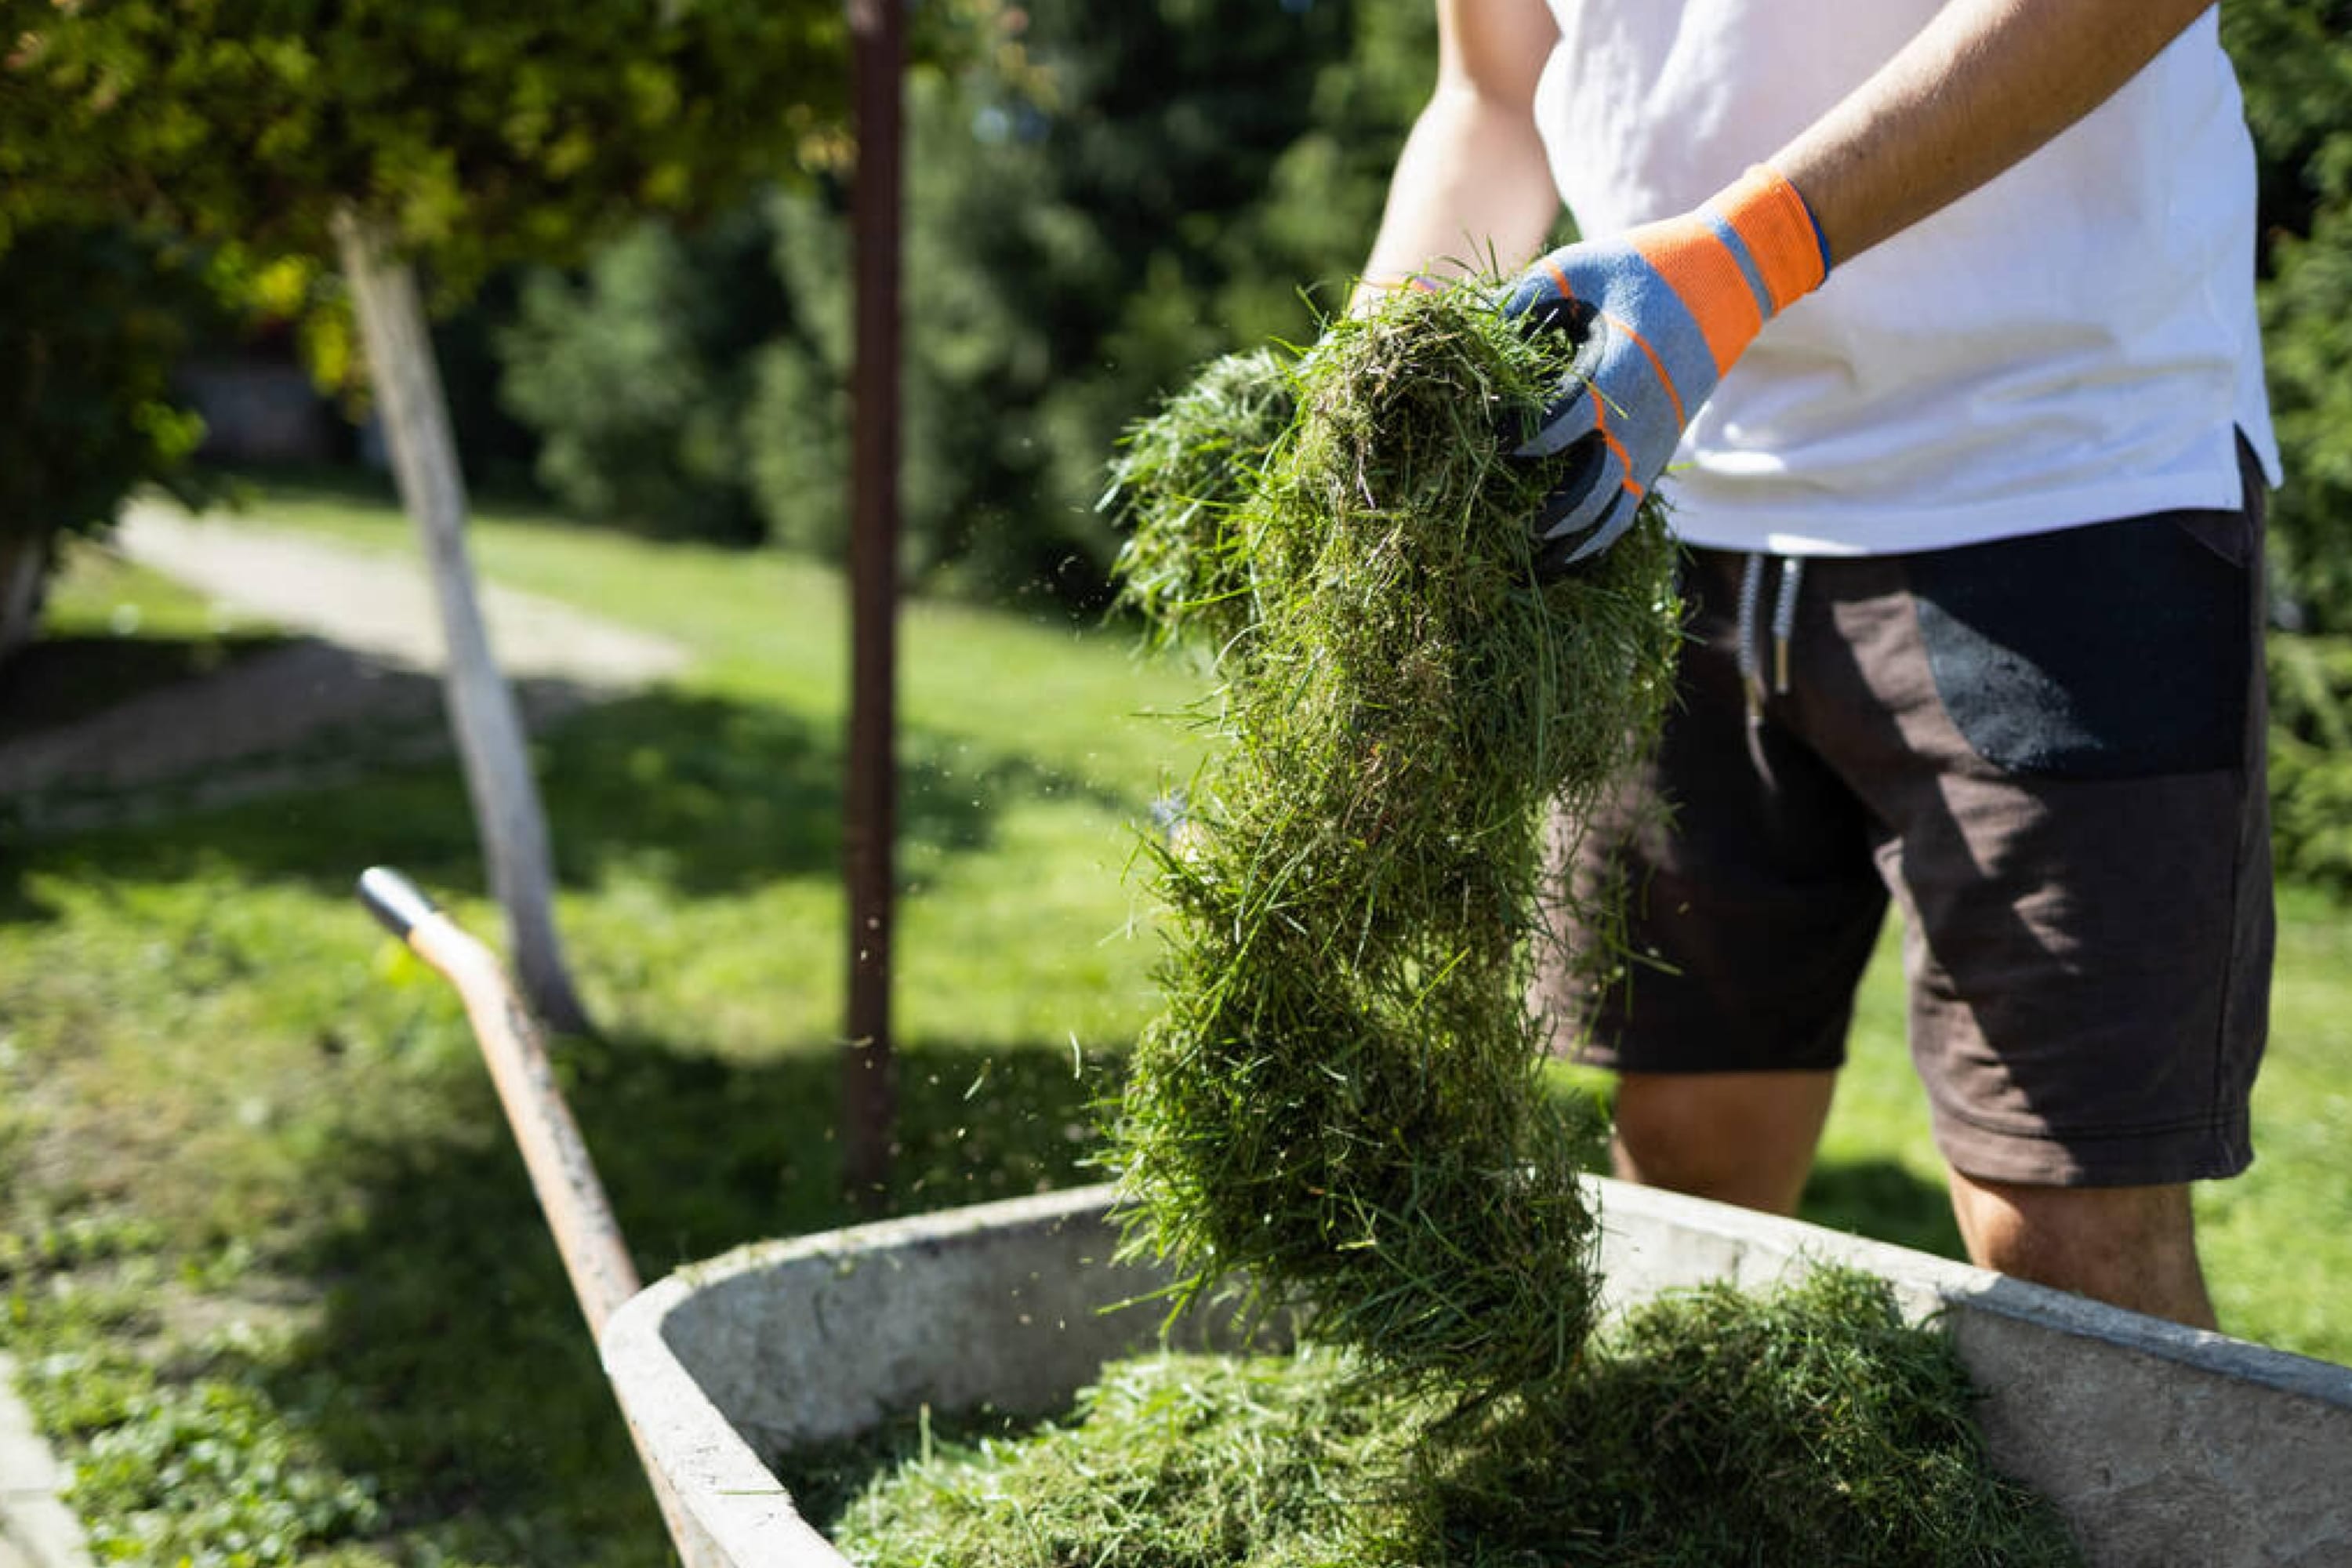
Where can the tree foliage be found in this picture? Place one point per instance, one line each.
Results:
(1111, 196)
(636, 372)
(477, 136)
(92, 322)
(2294, 61)
(482, 134)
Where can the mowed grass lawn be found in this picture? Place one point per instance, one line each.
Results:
(273, 1278)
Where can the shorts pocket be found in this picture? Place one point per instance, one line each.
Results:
(2114, 651)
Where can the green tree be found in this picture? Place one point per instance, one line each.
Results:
(1109, 197)
(366, 134)
(635, 373)
(473, 136)
(92, 321)
(2295, 62)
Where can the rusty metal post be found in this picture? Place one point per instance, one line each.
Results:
(869, 1098)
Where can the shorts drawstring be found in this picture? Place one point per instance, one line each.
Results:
(1784, 621)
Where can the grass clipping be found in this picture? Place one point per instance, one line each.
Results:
(1340, 1106)
(1808, 1425)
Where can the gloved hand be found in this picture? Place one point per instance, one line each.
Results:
(1663, 309)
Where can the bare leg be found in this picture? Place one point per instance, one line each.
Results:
(1743, 1137)
(2131, 1247)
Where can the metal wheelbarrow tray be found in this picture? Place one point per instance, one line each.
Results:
(2160, 1445)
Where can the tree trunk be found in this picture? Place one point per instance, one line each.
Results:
(24, 584)
(482, 710)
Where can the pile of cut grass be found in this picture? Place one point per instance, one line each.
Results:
(1339, 1107)
(1810, 1425)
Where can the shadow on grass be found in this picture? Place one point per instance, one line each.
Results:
(722, 794)
(59, 679)
(1884, 1201)
(707, 795)
(465, 1378)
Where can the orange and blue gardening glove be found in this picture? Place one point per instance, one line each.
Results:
(1661, 312)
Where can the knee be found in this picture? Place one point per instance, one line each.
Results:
(1743, 1137)
(2130, 1246)
(1678, 1136)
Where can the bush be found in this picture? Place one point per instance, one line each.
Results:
(92, 321)
(2294, 61)
(2311, 760)
(633, 374)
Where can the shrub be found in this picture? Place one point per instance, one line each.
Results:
(2294, 61)
(2311, 760)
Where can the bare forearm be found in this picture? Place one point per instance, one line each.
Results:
(1471, 193)
(1986, 83)
(1472, 190)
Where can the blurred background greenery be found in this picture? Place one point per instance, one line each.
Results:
(1099, 200)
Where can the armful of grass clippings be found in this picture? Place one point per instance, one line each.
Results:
(1339, 1107)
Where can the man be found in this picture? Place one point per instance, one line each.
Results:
(1943, 315)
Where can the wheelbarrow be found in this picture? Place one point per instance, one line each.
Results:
(2159, 1445)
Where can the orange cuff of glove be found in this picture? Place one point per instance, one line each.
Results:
(1745, 256)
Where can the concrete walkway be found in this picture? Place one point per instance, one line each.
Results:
(37, 1529)
(359, 690)
(381, 605)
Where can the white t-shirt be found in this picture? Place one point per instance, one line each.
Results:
(2073, 342)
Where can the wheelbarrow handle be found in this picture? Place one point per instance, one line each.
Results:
(554, 1152)
(397, 903)
(570, 1196)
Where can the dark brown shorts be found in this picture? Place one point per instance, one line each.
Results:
(2050, 750)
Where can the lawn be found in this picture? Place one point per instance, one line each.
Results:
(273, 1275)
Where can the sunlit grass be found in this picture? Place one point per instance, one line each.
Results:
(252, 1163)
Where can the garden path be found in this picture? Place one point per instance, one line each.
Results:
(37, 1529)
(356, 690)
